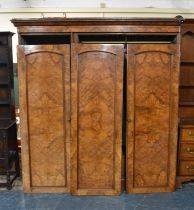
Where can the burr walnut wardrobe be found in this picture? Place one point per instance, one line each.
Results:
(97, 95)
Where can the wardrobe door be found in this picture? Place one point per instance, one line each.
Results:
(152, 104)
(44, 86)
(96, 119)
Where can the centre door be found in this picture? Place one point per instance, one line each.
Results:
(96, 119)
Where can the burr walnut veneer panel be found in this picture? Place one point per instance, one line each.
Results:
(152, 117)
(44, 104)
(96, 121)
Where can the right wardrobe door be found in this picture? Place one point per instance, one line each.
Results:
(152, 106)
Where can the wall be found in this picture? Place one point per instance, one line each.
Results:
(6, 14)
(97, 3)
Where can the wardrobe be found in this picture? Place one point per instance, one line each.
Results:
(98, 98)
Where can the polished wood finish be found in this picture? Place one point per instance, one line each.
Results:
(61, 21)
(7, 103)
(108, 25)
(187, 43)
(44, 77)
(186, 105)
(96, 119)
(185, 154)
(180, 180)
(152, 111)
(186, 150)
(186, 96)
(187, 75)
(97, 29)
(96, 103)
(186, 168)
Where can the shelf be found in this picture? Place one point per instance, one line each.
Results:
(45, 38)
(187, 62)
(91, 38)
(186, 124)
(4, 45)
(3, 64)
(186, 86)
(4, 103)
(186, 103)
(4, 83)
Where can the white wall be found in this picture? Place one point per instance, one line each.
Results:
(96, 3)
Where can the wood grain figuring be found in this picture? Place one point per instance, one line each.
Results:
(96, 119)
(187, 134)
(186, 151)
(96, 106)
(108, 29)
(152, 117)
(45, 71)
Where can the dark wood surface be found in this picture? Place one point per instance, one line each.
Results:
(9, 161)
(185, 160)
(187, 75)
(96, 21)
(186, 168)
(100, 28)
(6, 123)
(106, 25)
(186, 96)
(7, 104)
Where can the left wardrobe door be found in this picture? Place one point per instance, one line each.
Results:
(96, 120)
(44, 93)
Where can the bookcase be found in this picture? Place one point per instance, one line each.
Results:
(185, 164)
(9, 161)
